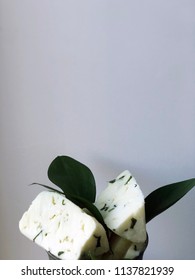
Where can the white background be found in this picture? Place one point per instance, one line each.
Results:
(110, 83)
(81, 270)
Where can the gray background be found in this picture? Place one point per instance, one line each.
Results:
(110, 83)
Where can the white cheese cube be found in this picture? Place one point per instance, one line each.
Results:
(122, 207)
(135, 250)
(62, 228)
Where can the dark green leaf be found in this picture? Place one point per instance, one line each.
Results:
(164, 197)
(73, 177)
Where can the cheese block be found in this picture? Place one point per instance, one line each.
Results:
(62, 228)
(122, 248)
(122, 207)
(135, 250)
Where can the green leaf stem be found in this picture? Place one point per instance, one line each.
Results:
(47, 187)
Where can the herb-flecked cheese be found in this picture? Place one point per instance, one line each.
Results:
(122, 248)
(62, 228)
(122, 207)
(134, 250)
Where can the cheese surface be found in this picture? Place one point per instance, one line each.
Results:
(122, 248)
(122, 207)
(135, 250)
(62, 228)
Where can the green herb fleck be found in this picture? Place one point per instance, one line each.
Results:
(112, 181)
(98, 241)
(53, 201)
(63, 202)
(105, 207)
(53, 217)
(60, 253)
(128, 180)
(133, 222)
(37, 235)
(112, 208)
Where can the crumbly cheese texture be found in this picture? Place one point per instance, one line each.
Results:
(122, 207)
(62, 228)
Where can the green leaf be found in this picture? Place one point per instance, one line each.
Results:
(164, 197)
(73, 177)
